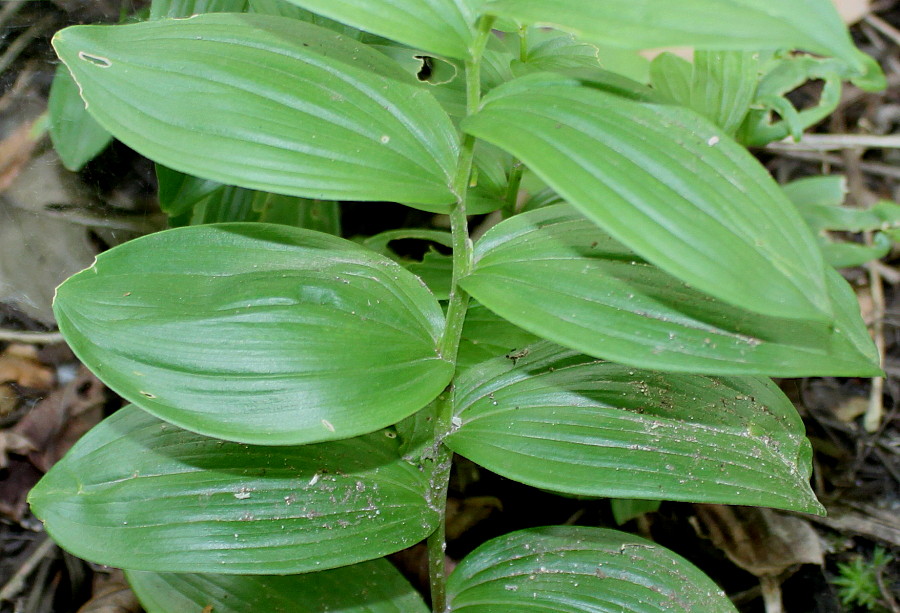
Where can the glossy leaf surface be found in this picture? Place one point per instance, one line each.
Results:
(258, 333)
(328, 118)
(554, 273)
(810, 25)
(160, 9)
(555, 419)
(139, 493)
(580, 570)
(444, 27)
(370, 587)
(668, 184)
(76, 136)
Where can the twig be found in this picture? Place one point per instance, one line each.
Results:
(884, 27)
(16, 47)
(836, 142)
(9, 10)
(886, 591)
(17, 581)
(31, 338)
(771, 592)
(875, 168)
(875, 410)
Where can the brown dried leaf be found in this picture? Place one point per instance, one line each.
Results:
(12, 442)
(16, 480)
(463, 514)
(761, 541)
(15, 152)
(19, 365)
(112, 596)
(9, 399)
(60, 419)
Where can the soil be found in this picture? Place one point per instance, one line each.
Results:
(47, 400)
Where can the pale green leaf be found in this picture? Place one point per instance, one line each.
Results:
(370, 587)
(626, 509)
(557, 275)
(179, 192)
(720, 85)
(809, 25)
(76, 136)
(139, 493)
(555, 419)
(190, 94)
(256, 332)
(566, 569)
(185, 8)
(668, 184)
(444, 27)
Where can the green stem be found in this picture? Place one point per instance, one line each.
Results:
(456, 315)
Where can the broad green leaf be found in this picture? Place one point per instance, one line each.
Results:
(257, 333)
(185, 8)
(76, 136)
(567, 569)
(827, 190)
(845, 255)
(555, 419)
(189, 93)
(668, 184)
(486, 335)
(285, 8)
(557, 275)
(139, 493)
(444, 27)
(626, 509)
(720, 85)
(320, 215)
(370, 587)
(771, 98)
(179, 192)
(810, 25)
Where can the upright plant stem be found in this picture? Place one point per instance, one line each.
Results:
(456, 315)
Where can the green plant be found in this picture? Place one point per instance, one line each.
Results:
(297, 397)
(858, 581)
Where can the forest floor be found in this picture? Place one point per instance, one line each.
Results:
(53, 222)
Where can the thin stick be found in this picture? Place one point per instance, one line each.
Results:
(875, 168)
(836, 142)
(31, 338)
(875, 410)
(10, 10)
(17, 581)
(771, 592)
(884, 27)
(16, 47)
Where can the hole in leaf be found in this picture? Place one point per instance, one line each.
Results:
(96, 60)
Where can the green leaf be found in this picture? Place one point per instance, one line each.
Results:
(320, 215)
(626, 509)
(557, 275)
(720, 85)
(185, 8)
(579, 570)
(558, 420)
(810, 25)
(179, 192)
(257, 333)
(138, 493)
(668, 184)
(444, 27)
(486, 335)
(817, 191)
(370, 587)
(785, 75)
(189, 94)
(76, 136)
